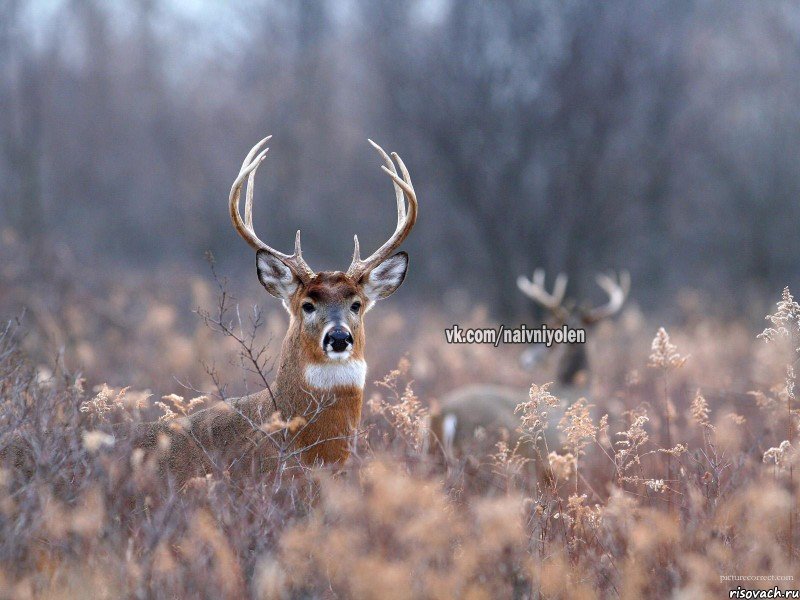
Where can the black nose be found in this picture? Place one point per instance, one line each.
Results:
(337, 339)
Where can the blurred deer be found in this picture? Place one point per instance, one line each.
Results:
(489, 409)
(573, 366)
(317, 395)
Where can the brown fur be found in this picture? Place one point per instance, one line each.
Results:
(326, 289)
(227, 434)
(234, 433)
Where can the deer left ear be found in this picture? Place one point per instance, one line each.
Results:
(277, 278)
(384, 279)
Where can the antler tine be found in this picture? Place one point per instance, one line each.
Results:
(244, 227)
(535, 290)
(406, 216)
(560, 288)
(617, 288)
(406, 178)
(248, 160)
(625, 282)
(398, 192)
(251, 184)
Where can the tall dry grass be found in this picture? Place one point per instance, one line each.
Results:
(670, 476)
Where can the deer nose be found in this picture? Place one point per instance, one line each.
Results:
(337, 339)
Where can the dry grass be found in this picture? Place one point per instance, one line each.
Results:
(670, 476)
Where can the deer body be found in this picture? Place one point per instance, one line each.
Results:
(467, 414)
(315, 402)
(230, 433)
(472, 419)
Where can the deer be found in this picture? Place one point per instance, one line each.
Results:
(573, 366)
(491, 409)
(317, 395)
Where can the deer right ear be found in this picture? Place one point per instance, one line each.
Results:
(384, 279)
(275, 276)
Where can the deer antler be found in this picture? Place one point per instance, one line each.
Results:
(535, 290)
(406, 217)
(617, 289)
(244, 227)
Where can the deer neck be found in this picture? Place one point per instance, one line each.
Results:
(573, 368)
(328, 393)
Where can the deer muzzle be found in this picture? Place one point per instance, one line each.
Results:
(337, 342)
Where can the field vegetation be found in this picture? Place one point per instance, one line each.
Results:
(677, 468)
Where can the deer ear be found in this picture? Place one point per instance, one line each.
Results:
(275, 276)
(384, 279)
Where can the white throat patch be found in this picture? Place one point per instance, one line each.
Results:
(337, 374)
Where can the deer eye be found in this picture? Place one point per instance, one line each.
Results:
(355, 306)
(308, 308)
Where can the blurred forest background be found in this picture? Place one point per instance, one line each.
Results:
(661, 137)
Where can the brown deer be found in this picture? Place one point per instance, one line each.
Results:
(490, 408)
(317, 394)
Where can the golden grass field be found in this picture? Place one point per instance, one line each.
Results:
(679, 473)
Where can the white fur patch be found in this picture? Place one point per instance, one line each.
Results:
(337, 374)
(449, 424)
(340, 356)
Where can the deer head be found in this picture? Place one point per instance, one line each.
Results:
(324, 345)
(574, 362)
(319, 384)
